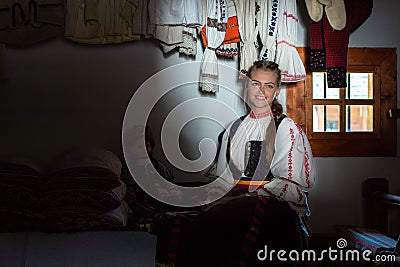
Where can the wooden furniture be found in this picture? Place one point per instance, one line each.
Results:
(375, 235)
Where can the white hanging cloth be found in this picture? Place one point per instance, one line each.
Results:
(175, 12)
(248, 29)
(189, 44)
(217, 18)
(268, 29)
(286, 54)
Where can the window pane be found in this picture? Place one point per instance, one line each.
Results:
(359, 118)
(318, 85)
(320, 89)
(326, 118)
(360, 86)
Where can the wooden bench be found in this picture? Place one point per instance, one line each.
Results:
(374, 236)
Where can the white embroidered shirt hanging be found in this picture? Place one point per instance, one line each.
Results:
(286, 54)
(248, 28)
(268, 29)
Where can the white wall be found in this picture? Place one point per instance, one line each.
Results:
(60, 94)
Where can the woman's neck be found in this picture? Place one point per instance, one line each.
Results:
(256, 114)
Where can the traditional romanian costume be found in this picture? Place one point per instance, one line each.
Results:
(230, 234)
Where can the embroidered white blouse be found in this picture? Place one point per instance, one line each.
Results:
(292, 165)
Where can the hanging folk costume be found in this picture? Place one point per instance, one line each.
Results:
(229, 47)
(247, 11)
(278, 34)
(268, 29)
(333, 22)
(286, 54)
(174, 24)
(103, 21)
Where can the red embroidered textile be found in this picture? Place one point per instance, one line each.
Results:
(231, 35)
(329, 47)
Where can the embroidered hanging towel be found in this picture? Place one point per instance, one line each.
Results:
(215, 30)
(26, 22)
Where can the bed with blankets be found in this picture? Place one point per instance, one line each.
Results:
(76, 210)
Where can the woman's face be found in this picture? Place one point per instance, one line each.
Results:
(262, 89)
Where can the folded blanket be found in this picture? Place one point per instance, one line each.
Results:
(103, 200)
(95, 178)
(16, 165)
(84, 218)
(87, 157)
(18, 196)
(85, 168)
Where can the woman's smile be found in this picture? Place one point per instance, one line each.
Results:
(260, 97)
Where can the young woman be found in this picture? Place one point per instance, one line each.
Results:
(267, 160)
(285, 152)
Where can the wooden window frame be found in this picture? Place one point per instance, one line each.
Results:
(379, 143)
